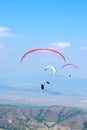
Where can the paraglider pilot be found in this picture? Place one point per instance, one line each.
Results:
(42, 86)
(47, 82)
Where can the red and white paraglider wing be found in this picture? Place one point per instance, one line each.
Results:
(45, 49)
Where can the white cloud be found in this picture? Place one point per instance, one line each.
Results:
(83, 48)
(6, 32)
(4, 29)
(60, 44)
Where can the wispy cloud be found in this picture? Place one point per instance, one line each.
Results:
(84, 48)
(6, 32)
(60, 44)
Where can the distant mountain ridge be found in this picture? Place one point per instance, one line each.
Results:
(42, 118)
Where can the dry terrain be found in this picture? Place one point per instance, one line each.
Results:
(42, 118)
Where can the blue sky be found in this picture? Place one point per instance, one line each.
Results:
(29, 24)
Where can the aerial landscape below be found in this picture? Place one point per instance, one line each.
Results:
(42, 118)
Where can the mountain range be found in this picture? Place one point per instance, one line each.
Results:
(42, 118)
